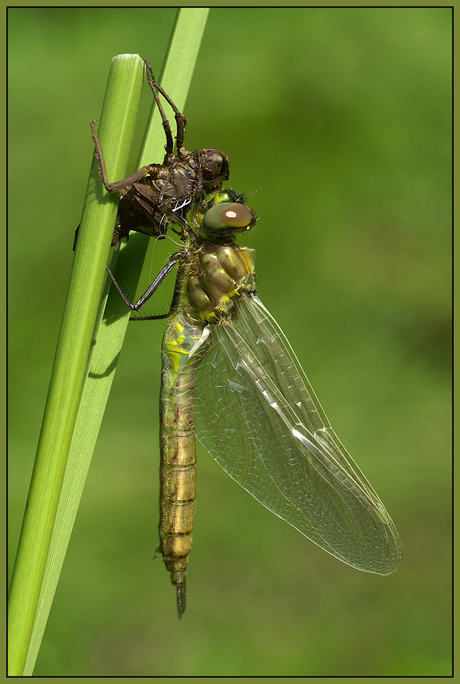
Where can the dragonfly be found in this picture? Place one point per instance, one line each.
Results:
(157, 189)
(231, 380)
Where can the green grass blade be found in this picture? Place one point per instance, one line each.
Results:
(109, 336)
(70, 364)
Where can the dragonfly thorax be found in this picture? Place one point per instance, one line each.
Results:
(218, 275)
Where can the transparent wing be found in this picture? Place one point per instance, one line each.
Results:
(258, 416)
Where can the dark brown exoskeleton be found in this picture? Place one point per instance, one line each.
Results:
(150, 197)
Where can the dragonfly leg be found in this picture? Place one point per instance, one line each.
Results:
(181, 121)
(118, 185)
(137, 306)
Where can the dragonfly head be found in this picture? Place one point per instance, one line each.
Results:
(223, 216)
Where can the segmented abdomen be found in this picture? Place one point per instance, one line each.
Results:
(177, 449)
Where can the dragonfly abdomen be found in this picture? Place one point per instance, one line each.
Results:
(177, 500)
(177, 449)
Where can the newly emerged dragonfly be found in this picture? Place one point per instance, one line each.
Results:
(231, 379)
(156, 189)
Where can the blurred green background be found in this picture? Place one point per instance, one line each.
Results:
(339, 121)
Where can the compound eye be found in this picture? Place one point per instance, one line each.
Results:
(226, 216)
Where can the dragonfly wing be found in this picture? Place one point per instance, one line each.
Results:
(258, 416)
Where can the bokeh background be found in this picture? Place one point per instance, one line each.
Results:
(339, 121)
